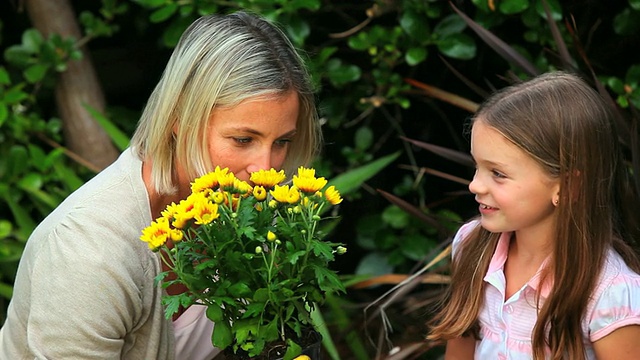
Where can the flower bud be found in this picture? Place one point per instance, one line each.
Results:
(258, 250)
(340, 250)
(271, 236)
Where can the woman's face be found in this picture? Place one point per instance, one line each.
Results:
(253, 135)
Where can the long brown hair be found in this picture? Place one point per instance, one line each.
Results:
(567, 127)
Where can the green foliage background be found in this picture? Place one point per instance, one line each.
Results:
(387, 72)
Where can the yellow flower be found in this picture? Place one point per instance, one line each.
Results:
(184, 211)
(176, 235)
(259, 192)
(309, 185)
(218, 197)
(302, 357)
(156, 234)
(333, 195)
(205, 211)
(267, 178)
(306, 173)
(226, 181)
(170, 211)
(241, 187)
(284, 194)
(271, 236)
(204, 182)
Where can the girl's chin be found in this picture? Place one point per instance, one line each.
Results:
(491, 226)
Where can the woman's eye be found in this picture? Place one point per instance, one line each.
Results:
(242, 140)
(282, 142)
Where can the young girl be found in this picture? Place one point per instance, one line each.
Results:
(544, 272)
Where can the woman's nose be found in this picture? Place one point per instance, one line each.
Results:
(261, 161)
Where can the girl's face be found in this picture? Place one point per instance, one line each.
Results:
(253, 135)
(513, 191)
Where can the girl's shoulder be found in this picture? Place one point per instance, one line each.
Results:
(462, 234)
(616, 298)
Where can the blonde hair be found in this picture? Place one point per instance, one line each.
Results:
(219, 61)
(568, 128)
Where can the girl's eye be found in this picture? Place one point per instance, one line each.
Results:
(498, 174)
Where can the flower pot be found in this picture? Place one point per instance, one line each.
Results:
(310, 341)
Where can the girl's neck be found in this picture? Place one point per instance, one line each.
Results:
(530, 249)
(526, 255)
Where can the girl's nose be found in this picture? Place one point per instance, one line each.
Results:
(475, 186)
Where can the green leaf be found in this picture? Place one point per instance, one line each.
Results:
(4, 113)
(239, 290)
(214, 313)
(18, 161)
(221, 337)
(352, 179)
(36, 73)
(340, 74)
(626, 22)
(415, 56)
(32, 40)
(374, 264)
(163, 13)
(363, 138)
(298, 30)
(6, 291)
(293, 350)
(294, 5)
(17, 55)
(458, 46)
(554, 6)
(452, 24)
(395, 217)
(119, 138)
(414, 25)
(172, 304)
(4, 76)
(15, 94)
(510, 7)
(261, 295)
(172, 34)
(5, 228)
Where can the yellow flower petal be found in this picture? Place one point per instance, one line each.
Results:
(259, 193)
(156, 234)
(267, 178)
(309, 185)
(306, 173)
(280, 193)
(333, 195)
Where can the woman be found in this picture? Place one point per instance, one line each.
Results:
(234, 94)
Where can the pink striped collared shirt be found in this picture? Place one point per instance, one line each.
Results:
(506, 325)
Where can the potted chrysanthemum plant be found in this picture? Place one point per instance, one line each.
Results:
(254, 255)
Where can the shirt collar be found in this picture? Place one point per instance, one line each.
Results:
(500, 257)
